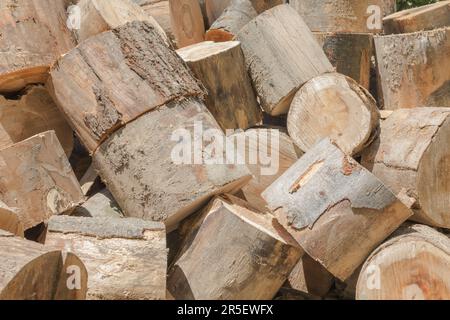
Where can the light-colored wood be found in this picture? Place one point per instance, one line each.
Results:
(158, 168)
(10, 220)
(334, 106)
(344, 15)
(125, 258)
(268, 153)
(115, 77)
(349, 53)
(88, 180)
(412, 155)
(414, 69)
(35, 112)
(429, 17)
(29, 271)
(187, 22)
(413, 265)
(232, 253)
(33, 35)
(281, 54)
(37, 179)
(101, 204)
(98, 16)
(160, 11)
(221, 69)
(336, 209)
(235, 16)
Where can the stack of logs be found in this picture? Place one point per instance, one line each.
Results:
(116, 178)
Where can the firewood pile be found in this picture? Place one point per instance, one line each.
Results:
(224, 149)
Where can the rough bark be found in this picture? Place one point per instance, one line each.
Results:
(281, 54)
(36, 178)
(413, 154)
(335, 209)
(221, 69)
(187, 22)
(248, 258)
(348, 114)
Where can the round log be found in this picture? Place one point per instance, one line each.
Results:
(187, 22)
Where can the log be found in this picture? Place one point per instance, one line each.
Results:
(101, 204)
(235, 16)
(281, 55)
(34, 112)
(187, 22)
(414, 69)
(254, 267)
(115, 77)
(413, 265)
(362, 16)
(184, 173)
(98, 16)
(160, 11)
(335, 209)
(34, 35)
(29, 271)
(125, 258)
(89, 180)
(221, 68)
(428, 17)
(10, 220)
(36, 178)
(349, 53)
(348, 114)
(268, 153)
(413, 154)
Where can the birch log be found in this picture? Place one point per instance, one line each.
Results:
(125, 258)
(413, 265)
(413, 154)
(187, 22)
(414, 69)
(33, 35)
(37, 179)
(335, 209)
(281, 54)
(232, 253)
(334, 106)
(221, 69)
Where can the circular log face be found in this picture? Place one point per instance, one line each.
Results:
(333, 106)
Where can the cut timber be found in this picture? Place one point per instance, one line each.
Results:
(221, 69)
(125, 258)
(334, 106)
(35, 112)
(429, 17)
(336, 210)
(98, 16)
(414, 69)
(187, 22)
(160, 166)
(29, 271)
(235, 16)
(114, 77)
(160, 11)
(343, 15)
(88, 180)
(413, 265)
(10, 220)
(349, 53)
(37, 179)
(233, 254)
(33, 35)
(412, 154)
(281, 55)
(268, 153)
(101, 204)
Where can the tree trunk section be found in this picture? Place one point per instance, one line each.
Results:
(125, 258)
(37, 179)
(160, 11)
(335, 209)
(187, 22)
(101, 204)
(249, 259)
(281, 54)
(413, 265)
(412, 155)
(10, 220)
(349, 114)
(221, 69)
